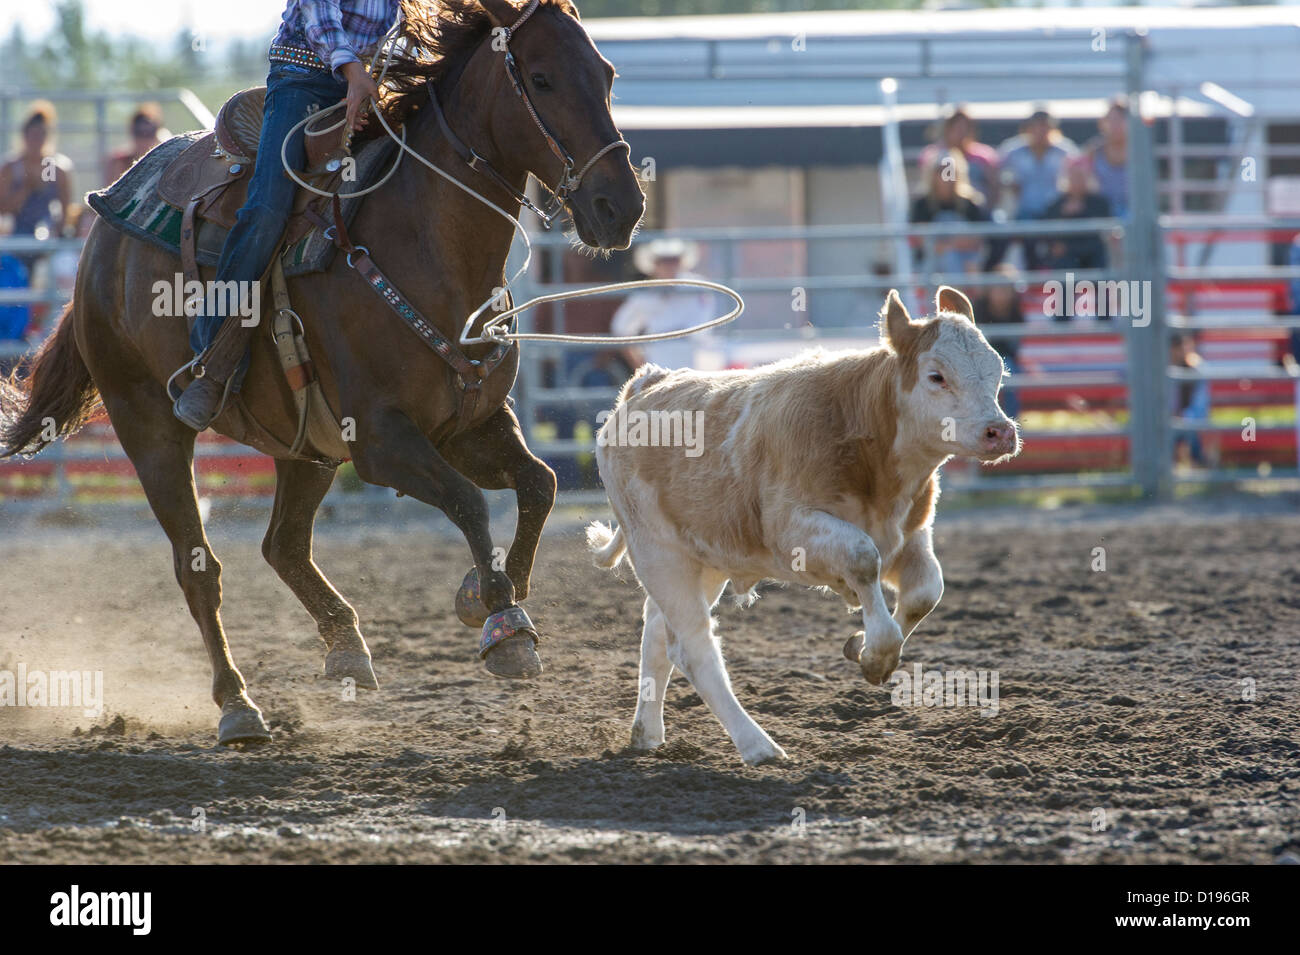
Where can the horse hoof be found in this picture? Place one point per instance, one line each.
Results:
(469, 602)
(242, 722)
(514, 658)
(341, 664)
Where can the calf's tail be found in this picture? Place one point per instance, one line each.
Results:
(606, 544)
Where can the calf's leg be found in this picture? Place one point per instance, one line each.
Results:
(652, 682)
(686, 591)
(918, 577)
(837, 549)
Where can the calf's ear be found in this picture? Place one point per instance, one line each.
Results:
(896, 326)
(949, 299)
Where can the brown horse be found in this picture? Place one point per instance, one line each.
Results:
(446, 251)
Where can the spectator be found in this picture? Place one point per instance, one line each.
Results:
(63, 263)
(14, 319)
(657, 310)
(1031, 166)
(1190, 400)
(146, 131)
(1108, 153)
(948, 197)
(1079, 199)
(36, 184)
(1002, 304)
(958, 133)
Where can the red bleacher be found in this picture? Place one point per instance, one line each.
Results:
(94, 467)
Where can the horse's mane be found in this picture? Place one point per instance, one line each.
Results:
(435, 37)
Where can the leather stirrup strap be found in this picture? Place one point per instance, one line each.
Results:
(298, 373)
(189, 242)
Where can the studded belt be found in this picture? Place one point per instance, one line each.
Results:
(296, 56)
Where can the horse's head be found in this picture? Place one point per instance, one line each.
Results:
(550, 116)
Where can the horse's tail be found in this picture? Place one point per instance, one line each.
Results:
(606, 544)
(48, 395)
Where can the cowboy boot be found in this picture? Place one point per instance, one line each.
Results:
(202, 401)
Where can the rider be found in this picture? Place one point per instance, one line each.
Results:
(315, 62)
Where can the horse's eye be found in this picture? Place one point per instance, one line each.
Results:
(936, 377)
(540, 82)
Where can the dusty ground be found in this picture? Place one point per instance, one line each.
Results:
(1120, 708)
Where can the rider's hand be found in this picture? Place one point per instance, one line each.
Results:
(361, 89)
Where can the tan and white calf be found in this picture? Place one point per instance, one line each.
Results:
(819, 470)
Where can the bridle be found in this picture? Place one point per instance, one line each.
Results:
(498, 330)
(570, 180)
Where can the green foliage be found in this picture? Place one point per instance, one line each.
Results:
(671, 8)
(72, 56)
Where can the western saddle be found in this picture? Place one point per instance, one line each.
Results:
(209, 181)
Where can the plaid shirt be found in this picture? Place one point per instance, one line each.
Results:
(338, 31)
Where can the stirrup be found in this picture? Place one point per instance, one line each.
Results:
(217, 409)
(175, 393)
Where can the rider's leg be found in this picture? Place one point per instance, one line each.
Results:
(292, 92)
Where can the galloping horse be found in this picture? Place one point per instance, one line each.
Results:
(546, 113)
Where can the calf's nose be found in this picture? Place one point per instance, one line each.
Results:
(1000, 436)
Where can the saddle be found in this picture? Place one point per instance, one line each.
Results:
(209, 180)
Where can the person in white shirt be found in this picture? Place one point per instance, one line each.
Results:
(653, 311)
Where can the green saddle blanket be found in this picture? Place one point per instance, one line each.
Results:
(132, 206)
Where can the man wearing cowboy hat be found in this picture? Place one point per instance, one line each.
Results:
(654, 311)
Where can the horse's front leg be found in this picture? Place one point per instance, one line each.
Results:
(392, 452)
(494, 456)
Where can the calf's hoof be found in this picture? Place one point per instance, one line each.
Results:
(644, 739)
(853, 647)
(878, 662)
(765, 752)
(508, 646)
(469, 601)
(242, 722)
(341, 664)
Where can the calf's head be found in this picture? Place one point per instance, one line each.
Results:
(948, 380)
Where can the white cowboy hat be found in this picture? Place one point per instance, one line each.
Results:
(645, 256)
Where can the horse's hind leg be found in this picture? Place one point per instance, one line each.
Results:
(299, 488)
(162, 451)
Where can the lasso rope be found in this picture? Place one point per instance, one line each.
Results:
(493, 330)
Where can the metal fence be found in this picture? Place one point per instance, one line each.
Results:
(1146, 378)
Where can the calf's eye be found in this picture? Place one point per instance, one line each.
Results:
(540, 82)
(936, 377)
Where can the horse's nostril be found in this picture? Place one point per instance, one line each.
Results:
(605, 210)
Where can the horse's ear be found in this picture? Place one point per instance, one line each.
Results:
(896, 326)
(502, 13)
(949, 299)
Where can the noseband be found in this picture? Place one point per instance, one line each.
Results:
(570, 181)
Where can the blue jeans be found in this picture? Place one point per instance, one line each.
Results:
(292, 92)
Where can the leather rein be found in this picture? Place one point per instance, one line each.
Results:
(470, 373)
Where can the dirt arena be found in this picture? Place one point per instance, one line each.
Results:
(1121, 734)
